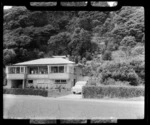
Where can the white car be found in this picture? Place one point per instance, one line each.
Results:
(78, 87)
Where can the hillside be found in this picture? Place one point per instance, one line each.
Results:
(86, 36)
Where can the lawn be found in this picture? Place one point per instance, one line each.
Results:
(26, 107)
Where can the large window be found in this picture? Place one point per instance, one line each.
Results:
(12, 70)
(60, 81)
(16, 70)
(38, 70)
(54, 69)
(43, 70)
(33, 70)
(22, 70)
(57, 69)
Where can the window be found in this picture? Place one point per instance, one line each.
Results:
(61, 69)
(33, 70)
(30, 81)
(57, 81)
(43, 70)
(60, 81)
(12, 70)
(54, 69)
(57, 69)
(22, 70)
(18, 70)
(63, 82)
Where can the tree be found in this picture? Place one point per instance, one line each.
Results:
(58, 44)
(8, 56)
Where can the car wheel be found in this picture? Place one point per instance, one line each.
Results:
(74, 93)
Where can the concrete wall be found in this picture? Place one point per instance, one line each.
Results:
(9, 84)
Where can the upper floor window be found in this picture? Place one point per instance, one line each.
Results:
(38, 70)
(16, 70)
(11, 70)
(57, 69)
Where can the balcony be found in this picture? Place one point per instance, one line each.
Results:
(16, 76)
(59, 76)
(37, 76)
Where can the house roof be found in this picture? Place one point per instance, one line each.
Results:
(46, 61)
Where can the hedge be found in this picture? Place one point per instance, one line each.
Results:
(112, 91)
(19, 91)
(41, 92)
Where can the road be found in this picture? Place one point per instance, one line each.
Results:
(27, 107)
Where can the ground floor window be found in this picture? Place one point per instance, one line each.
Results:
(30, 81)
(60, 81)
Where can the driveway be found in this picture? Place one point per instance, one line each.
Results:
(27, 107)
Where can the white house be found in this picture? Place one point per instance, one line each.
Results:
(44, 73)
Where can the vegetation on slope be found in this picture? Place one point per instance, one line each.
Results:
(96, 39)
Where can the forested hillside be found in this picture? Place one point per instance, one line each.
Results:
(96, 39)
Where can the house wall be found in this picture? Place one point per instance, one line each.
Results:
(44, 83)
(9, 83)
(46, 80)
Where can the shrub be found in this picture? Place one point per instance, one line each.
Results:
(18, 91)
(137, 50)
(109, 81)
(112, 91)
(117, 55)
(139, 67)
(107, 55)
(119, 71)
(92, 82)
(128, 41)
(133, 78)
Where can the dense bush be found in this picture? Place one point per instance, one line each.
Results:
(138, 50)
(119, 71)
(40, 92)
(112, 91)
(138, 65)
(18, 91)
(107, 55)
(128, 41)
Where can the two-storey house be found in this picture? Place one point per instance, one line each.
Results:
(44, 73)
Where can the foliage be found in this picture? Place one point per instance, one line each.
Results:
(112, 91)
(128, 41)
(18, 91)
(78, 33)
(83, 35)
(107, 55)
(120, 71)
(138, 50)
(9, 56)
